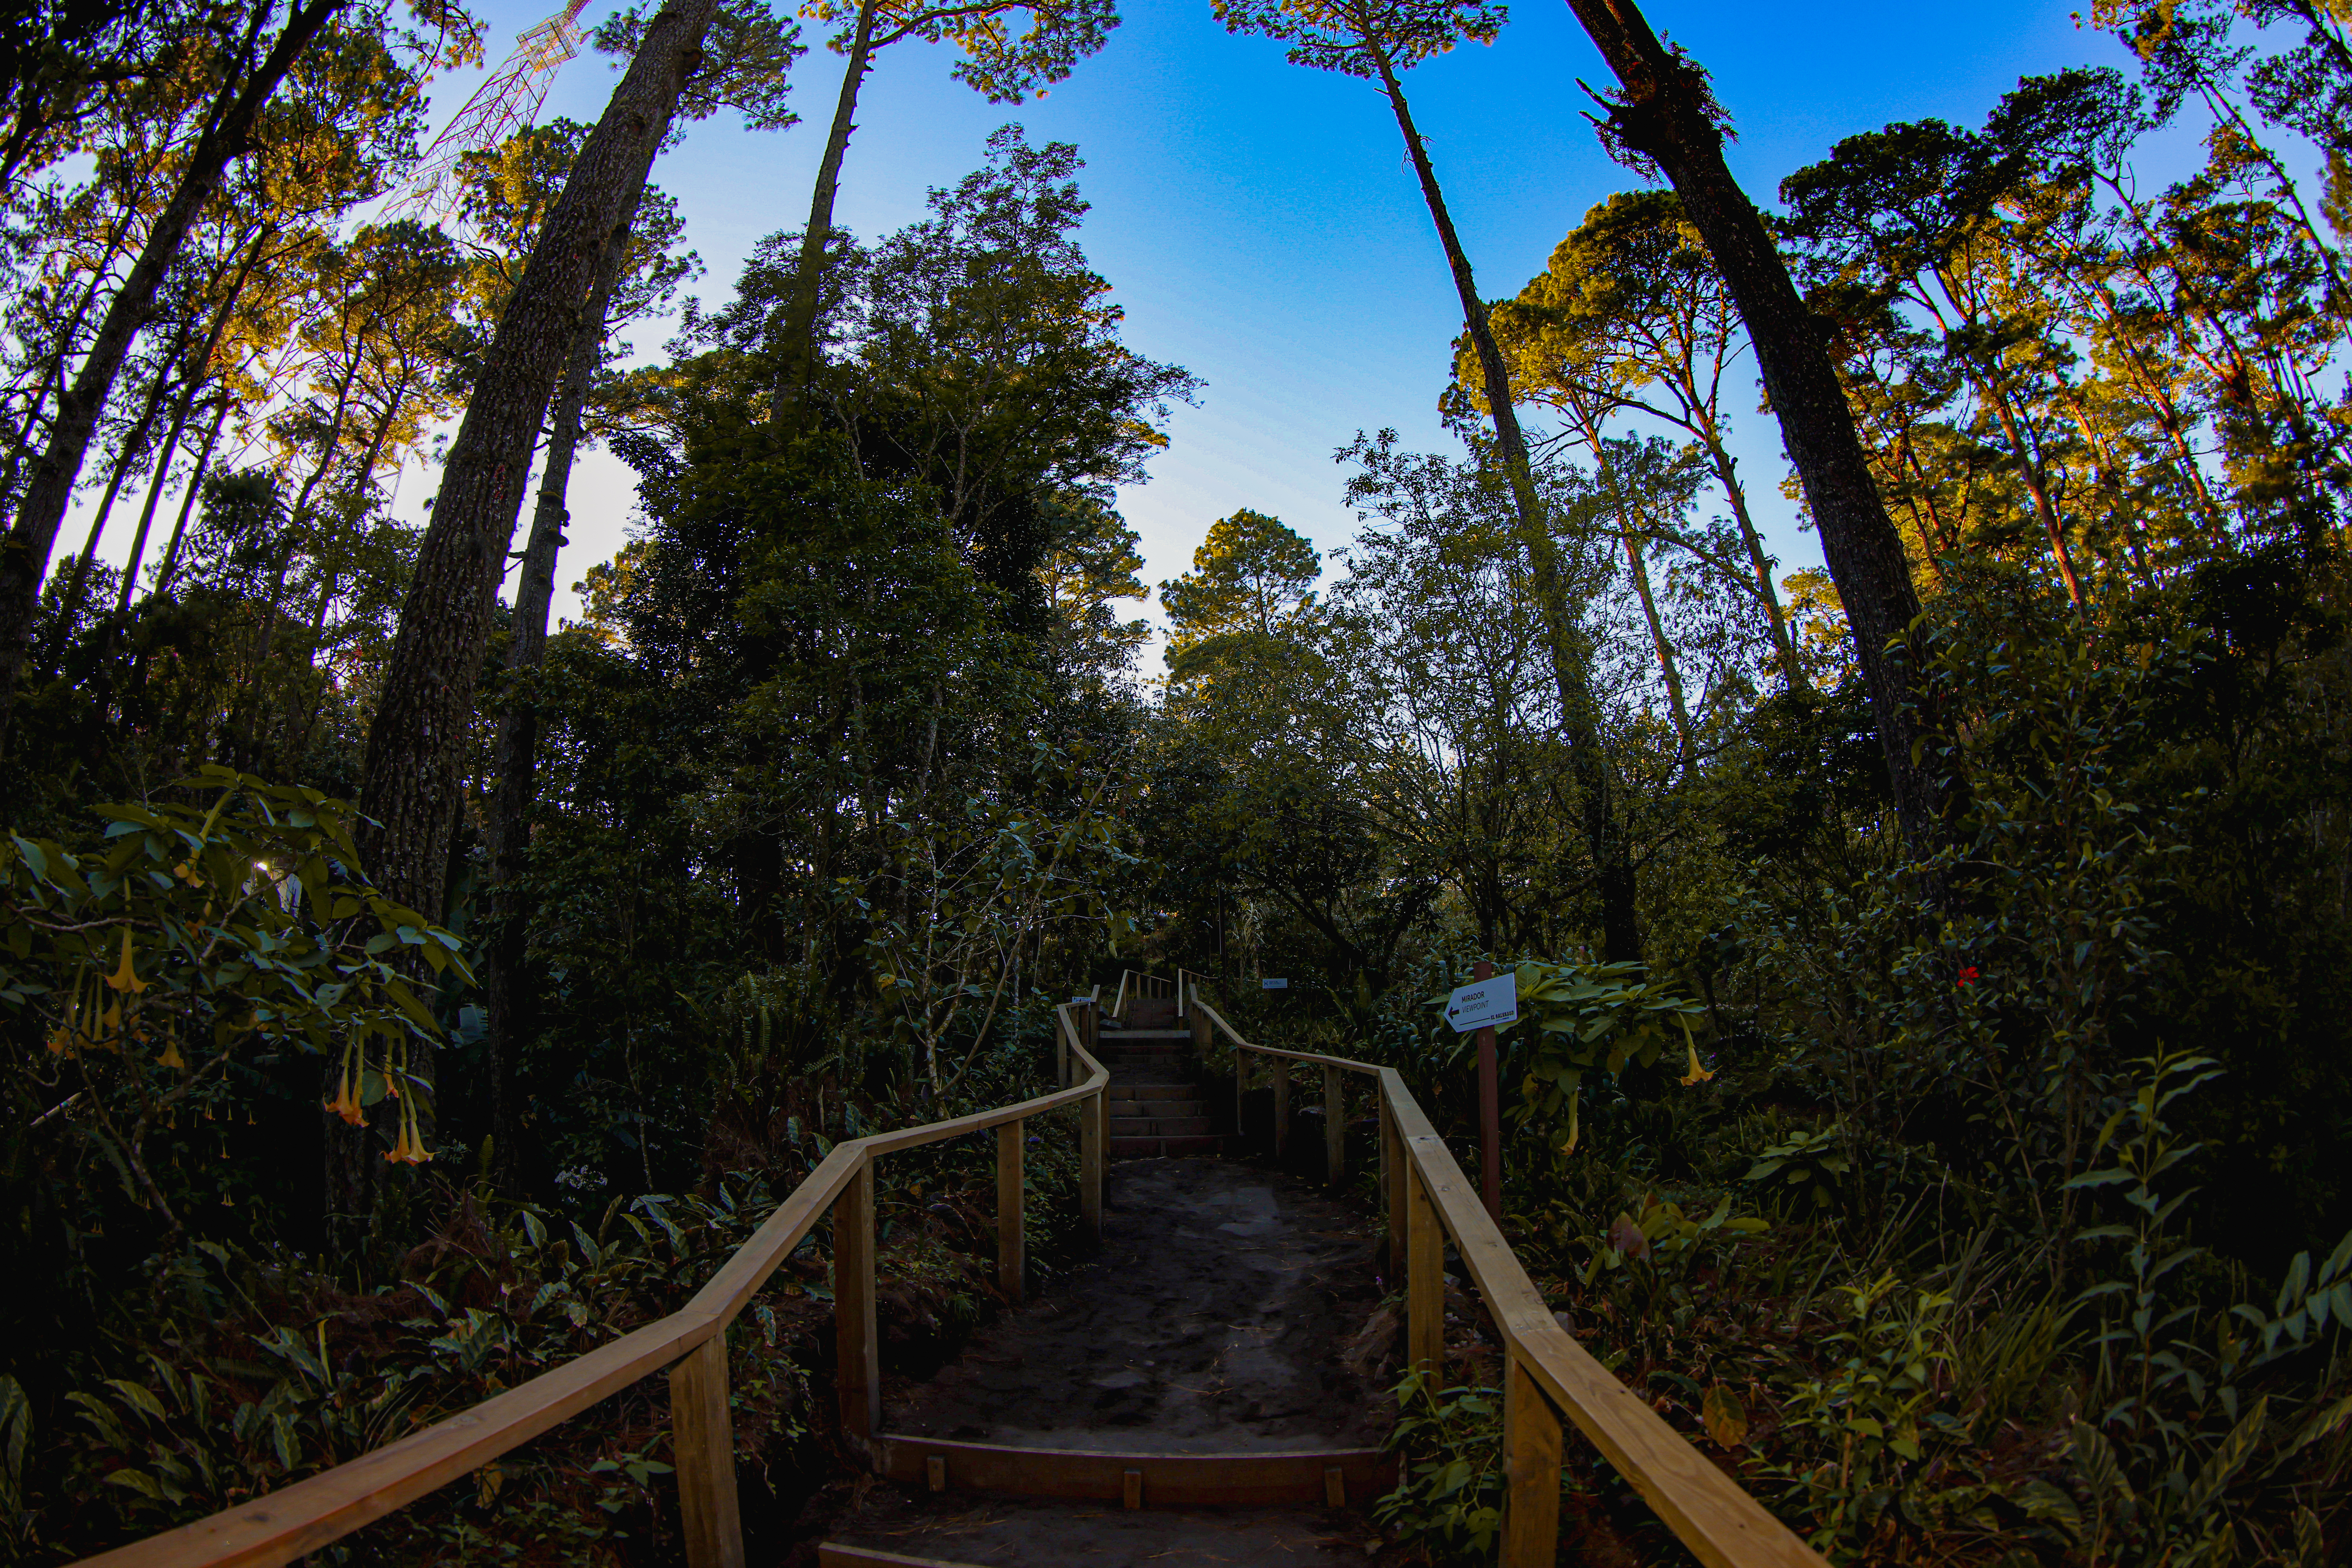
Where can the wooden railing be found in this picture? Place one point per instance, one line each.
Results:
(1134, 983)
(691, 1342)
(1188, 982)
(1545, 1374)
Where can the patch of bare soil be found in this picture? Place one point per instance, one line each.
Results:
(1218, 1319)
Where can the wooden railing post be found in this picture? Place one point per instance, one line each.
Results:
(1011, 1145)
(1281, 1105)
(1424, 1282)
(1094, 1125)
(1335, 1130)
(1393, 1180)
(1200, 1022)
(857, 1374)
(702, 1442)
(1530, 1471)
(1240, 1090)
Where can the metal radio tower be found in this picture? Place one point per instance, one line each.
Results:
(510, 98)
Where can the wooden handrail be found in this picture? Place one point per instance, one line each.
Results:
(295, 1521)
(1548, 1373)
(1187, 993)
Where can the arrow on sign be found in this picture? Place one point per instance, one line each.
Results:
(1485, 1003)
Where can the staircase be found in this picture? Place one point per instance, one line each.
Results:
(1157, 1107)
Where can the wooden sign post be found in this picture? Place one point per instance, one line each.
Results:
(1488, 1003)
(1490, 1114)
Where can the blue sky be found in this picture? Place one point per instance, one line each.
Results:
(1259, 225)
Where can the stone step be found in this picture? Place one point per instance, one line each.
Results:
(1112, 1035)
(1173, 1090)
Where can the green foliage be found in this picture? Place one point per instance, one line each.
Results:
(1448, 1502)
(1592, 1017)
(238, 1401)
(145, 981)
(1877, 1409)
(2180, 1448)
(1251, 578)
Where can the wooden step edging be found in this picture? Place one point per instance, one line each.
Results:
(830, 1555)
(1169, 1481)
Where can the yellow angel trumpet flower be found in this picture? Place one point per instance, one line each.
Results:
(125, 977)
(1697, 1074)
(346, 1103)
(408, 1147)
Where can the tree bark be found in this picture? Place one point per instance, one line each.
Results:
(171, 565)
(25, 556)
(168, 454)
(413, 747)
(410, 780)
(69, 604)
(1666, 114)
(799, 340)
(187, 405)
(1784, 639)
(500, 967)
(55, 377)
(1659, 641)
(1571, 658)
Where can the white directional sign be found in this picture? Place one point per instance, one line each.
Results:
(1485, 1003)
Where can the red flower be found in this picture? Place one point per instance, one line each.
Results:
(1969, 975)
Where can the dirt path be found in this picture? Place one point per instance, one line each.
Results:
(1011, 1532)
(1216, 1319)
(1219, 1318)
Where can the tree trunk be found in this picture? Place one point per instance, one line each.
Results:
(1784, 639)
(171, 565)
(244, 721)
(25, 557)
(69, 604)
(169, 453)
(171, 449)
(501, 965)
(410, 788)
(1571, 660)
(410, 778)
(55, 378)
(1658, 639)
(69, 599)
(1666, 114)
(799, 342)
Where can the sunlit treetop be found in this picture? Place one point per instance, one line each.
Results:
(1011, 50)
(1354, 38)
